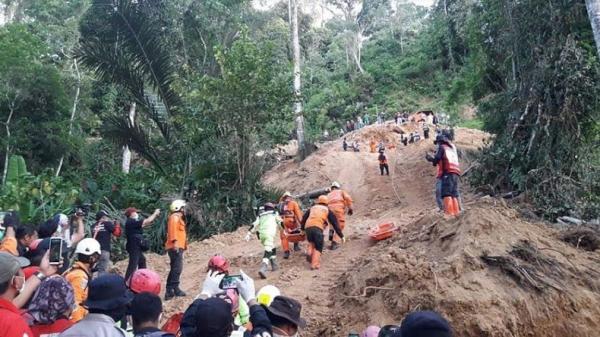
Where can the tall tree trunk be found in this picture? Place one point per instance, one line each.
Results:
(593, 9)
(293, 10)
(7, 150)
(126, 152)
(73, 112)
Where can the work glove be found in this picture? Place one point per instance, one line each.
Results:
(210, 288)
(246, 288)
(248, 237)
(350, 211)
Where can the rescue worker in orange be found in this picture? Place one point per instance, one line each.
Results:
(340, 202)
(292, 215)
(88, 254)
(383, 163)
(313, 223)
(175, 245)
(373, 145)
(446, 158)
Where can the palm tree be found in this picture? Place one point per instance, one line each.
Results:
(124, 45)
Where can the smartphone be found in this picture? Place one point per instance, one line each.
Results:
(229, 282)
(55, 250)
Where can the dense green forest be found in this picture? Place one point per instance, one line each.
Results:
(194, 90)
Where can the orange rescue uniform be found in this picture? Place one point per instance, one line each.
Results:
(313, 223)
(339, 201)
(373, 146)
(78, 276)
(292, 215)
(176, 234)
(9, 245)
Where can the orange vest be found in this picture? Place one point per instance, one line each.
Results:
(78, 276)
(450, 160)
(339, 199)
(176, 234)
(318, 217)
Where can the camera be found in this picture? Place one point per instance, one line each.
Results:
(82, 209)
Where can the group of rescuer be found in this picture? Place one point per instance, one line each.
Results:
(294, 226)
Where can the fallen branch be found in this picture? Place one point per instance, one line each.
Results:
(364, 292)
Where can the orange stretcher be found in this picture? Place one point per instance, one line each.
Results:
(382, 231)
(294, 235)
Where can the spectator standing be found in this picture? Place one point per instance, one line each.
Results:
(88, 254)
(175, 245)
(284, 314)
(12, 281)
(146, 309)
(49, 311)
(136, 244)
(107, 303)
(25, 235)
(103, 231)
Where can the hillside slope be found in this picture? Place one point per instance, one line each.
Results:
(432, 263)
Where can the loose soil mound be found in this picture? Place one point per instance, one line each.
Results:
(490, 272)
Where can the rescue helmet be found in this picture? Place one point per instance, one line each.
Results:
(145, 280)
(335, 184)
(287, 194)
(218, 263)
(323, 200)
(88, 247)
(177, 205)
(267, 294)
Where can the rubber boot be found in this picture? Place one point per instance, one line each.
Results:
(297, 247)
(169, 294)
(334, 245)
(448, 206)
(286, 254)
(315, 261)
(264, 269)
(179, 292)
(456, 206)
(274, 265)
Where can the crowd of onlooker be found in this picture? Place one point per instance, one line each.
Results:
(75, 293)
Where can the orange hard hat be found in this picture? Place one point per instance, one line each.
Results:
(323, 200)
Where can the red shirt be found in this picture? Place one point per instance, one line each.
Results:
(11, 322)
(53, 329)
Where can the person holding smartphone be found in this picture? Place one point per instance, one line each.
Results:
(136, 244)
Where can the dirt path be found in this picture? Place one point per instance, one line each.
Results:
(406, 194)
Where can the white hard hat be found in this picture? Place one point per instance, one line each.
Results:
(177, 205)
(287, 194)
(267, 294)
(336, 184)
(88, 246)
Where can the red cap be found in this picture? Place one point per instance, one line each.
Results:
(29, 271)
(129, 211)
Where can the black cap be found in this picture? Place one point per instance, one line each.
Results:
(108, 292)
(424, 324)
(100, 214)
(287, 308)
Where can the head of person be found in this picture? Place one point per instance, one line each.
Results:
(145, 280)
(424, 324)
(145, 311)
(323, 200)
(47, 229)
(232, 297)
(108, 295)
(12, 278)
(269, 206)
(208, 318)
(285, 316)
(132, 213)
(88, 251)
(53, 300)
(177, 206)
(267, 294)
(26, 234)
(372, 330)
(102, 216)
(335, 185)
(219, 264)
(287, 196)
(37, 249)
